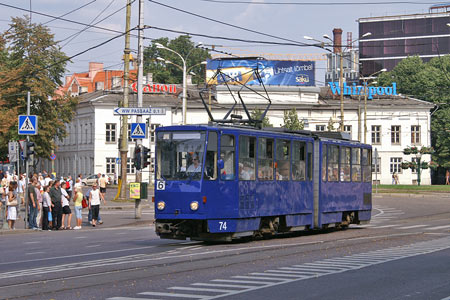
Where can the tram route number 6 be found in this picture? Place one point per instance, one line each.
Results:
(222, 226)
(161, 185)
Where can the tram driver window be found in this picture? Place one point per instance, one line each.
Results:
(211, 157)
(333, 163)
(265, 159)
(247, 147)
(298, 160)
(283, 152)
(345, 164)
(227, 155)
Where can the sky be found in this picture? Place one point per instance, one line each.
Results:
(280, 21)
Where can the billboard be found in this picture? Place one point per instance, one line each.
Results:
(272, 72)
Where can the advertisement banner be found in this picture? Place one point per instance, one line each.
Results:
(272, 72)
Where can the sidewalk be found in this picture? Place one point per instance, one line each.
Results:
(113, 214)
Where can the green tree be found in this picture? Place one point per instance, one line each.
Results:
(331, 123)
(291, 121)
(168, 72)
(256, 114)
(31, 60)
(430, 82)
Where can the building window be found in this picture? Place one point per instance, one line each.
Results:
(320, 127)
(110, 165)
(396, 165)
(153, 132)
(415, 134)
(395, 134)
(111, 132)
(130, 166)
(376, 165)
(116, 82)
(376, 134)
(348, 129)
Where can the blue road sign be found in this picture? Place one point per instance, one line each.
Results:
(28, 125)
(140, 111)
(117, 160)
(138, 130)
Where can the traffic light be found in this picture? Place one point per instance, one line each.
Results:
(137, 158)
(29, 150)
(146, 157)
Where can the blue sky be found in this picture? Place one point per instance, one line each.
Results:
(290, 22)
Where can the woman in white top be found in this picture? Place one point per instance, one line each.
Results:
(11, 202)
(66, 209)
(46, 208)
(94, 203)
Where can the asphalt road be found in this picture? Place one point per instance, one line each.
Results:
(403, 254)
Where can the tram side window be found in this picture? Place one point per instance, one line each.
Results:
(310, 161)
(227, 147)
(345, 164)
(366, 165)
(298, 160)
(211, 157)
(333, 163)
(356, 164)
(283, 160)
(247, 158)
(324, 162)
(265, 159)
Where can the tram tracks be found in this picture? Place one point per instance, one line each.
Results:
(161, 264)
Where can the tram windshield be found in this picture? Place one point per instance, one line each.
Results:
(180, 155)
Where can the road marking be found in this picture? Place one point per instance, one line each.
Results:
(413, 226)
(32, 253)
(192, 296)
(195, 289)
(35, 242)
(438, 227)
(337, 265)
(223, 285)
(240, 281)
(129, 298)
(92, 246)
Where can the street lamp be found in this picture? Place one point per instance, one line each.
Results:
(365, 101)
(161, 46)
(341, 62)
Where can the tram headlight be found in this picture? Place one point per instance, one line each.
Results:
(194, 205)
(161, 205)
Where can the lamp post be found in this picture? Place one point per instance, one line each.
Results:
(161, 46)
(341, 67)
(365, 101)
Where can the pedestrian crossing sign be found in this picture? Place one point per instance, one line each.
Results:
(138, 131)
(28, 125)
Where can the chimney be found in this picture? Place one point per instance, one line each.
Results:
(337, 40)
(95, 67)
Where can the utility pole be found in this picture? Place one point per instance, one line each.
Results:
(140, 76)
(124, 119)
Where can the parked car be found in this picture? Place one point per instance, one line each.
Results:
(90, 180)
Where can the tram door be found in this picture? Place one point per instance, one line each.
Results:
(247, 176)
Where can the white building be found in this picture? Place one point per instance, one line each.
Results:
(392, 124)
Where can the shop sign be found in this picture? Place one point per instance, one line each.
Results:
(357, 90)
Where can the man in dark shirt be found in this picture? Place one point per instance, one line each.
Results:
(55, 195)
(32, 204)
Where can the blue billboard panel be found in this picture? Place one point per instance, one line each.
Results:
(272, 72)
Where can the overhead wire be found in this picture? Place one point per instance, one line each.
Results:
(73, 36)
(334, 3)
(224, 23)
(68, 13)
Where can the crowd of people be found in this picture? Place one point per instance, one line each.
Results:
(49, 200)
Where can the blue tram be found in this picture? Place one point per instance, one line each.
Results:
(227, 182)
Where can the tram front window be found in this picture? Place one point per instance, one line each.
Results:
(180, 155)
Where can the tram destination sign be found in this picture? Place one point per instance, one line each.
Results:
(139, 111)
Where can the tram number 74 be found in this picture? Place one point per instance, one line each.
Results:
(222, 226)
